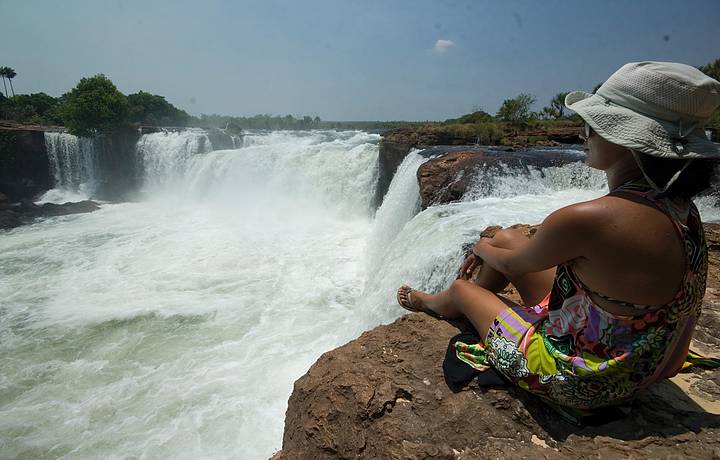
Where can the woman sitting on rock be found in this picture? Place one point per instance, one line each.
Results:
(614, 285)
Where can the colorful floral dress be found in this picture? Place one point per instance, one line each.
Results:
(572, 352)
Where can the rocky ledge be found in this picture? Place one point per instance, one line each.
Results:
(383, 395)
(16, 214)
(448, 177)
(395, 144)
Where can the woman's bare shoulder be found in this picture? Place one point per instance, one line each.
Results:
(584, 215)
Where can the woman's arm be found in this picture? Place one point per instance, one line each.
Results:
(566, 234)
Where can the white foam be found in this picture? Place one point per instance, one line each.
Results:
(60, 196)
(175, 327)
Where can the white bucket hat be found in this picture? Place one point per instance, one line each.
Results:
(656, 108)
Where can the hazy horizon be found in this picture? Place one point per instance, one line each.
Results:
(347, 61)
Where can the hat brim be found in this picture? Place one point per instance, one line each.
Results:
(631, 129)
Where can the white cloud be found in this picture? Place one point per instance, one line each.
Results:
(442, 45)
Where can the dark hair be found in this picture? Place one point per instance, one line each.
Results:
(700, 175)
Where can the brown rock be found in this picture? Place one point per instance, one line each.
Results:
(441, 180)
(395, 144)
(383, 396)
(559, 134)
(447, 178)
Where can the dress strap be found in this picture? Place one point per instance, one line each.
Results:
(634, 306)
(678, 211)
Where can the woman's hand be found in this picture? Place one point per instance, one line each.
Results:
(480, 245)
(468, 267)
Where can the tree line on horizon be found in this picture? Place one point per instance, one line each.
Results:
(517, 111)
(95, 105)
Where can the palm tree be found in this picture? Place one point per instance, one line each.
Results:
(558, 104)
(10, 74)
(3, 71)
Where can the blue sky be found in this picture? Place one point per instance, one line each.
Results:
(347, 59)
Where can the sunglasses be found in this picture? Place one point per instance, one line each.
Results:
(587, 132)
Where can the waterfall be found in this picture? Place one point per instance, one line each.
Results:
(73, 162)
(164, 155)
(504, 182)
(400, 204)
(271, 169)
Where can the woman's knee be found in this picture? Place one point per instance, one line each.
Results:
(457, 288)
(461, 291)
(508, 238)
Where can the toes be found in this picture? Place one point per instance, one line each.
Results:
(403, 295)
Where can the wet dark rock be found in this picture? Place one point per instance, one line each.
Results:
(26, 212)
(219, 140)
(52, 209)
(390, 156)
(24, 169)
(9, 219)
(119, 171)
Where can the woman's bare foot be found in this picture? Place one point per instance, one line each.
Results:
(414, 301)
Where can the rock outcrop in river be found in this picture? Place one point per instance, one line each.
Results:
(446, 178)
(24, 166)
(16, 214)
(396, 144)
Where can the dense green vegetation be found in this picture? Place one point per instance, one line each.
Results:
(38, 108)
(153, 110)
(96, 105)
(713, 70)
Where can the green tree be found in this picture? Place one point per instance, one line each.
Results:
(516, 110)
(549, 113)
(153, 110)
(10, 74)
(94, 105)
(558, 104)
(711, 69)
(478, 116)
(3, 71)
(35, 108)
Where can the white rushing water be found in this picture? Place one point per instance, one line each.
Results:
(174, 327)
(73, 164)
